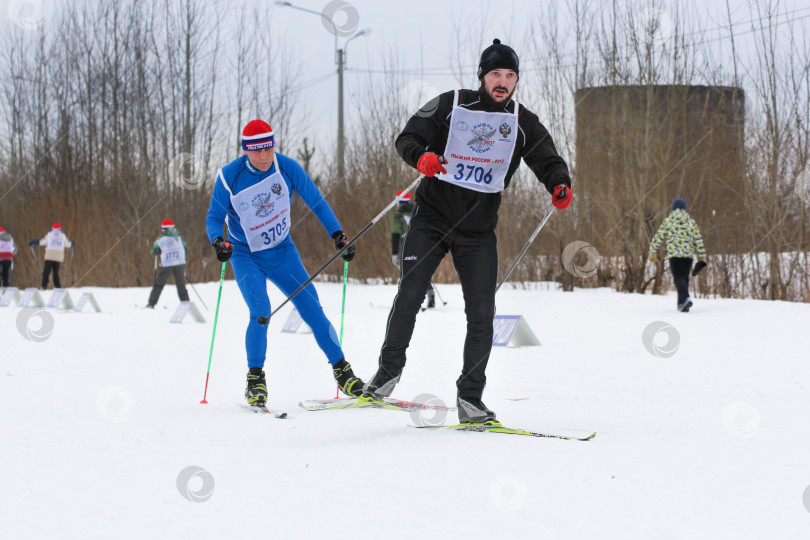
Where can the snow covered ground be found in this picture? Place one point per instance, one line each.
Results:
(101, 422)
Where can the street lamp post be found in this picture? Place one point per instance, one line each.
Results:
(341, 67)
(340, 60)
(340, 146)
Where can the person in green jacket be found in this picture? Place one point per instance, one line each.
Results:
(172, 250)
(683, 239)
(399, 228)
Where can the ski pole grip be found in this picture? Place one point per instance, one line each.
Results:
(442, 160)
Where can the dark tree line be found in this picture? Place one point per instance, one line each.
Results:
(116, 115)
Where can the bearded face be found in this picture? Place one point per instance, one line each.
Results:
(499, 85)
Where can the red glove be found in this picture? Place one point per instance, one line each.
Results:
(429, 165)
(561, 197)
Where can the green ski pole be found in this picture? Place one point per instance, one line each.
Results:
(342, 312)
(214, 333)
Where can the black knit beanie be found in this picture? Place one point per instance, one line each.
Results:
(497, 56)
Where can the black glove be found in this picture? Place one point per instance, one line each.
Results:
(33, 242)
(340, 242)
(700, 265)
(224, 249)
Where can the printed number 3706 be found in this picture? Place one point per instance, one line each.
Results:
(476, 173)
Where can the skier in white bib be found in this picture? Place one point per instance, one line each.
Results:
(7, 252)
(252, 197)
(55, 243)
(171, 250)
(481, 136)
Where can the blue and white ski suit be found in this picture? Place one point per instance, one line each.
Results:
(266, 250)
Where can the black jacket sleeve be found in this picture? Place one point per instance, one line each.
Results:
(426, 131)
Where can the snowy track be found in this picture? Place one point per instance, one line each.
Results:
(100, 424)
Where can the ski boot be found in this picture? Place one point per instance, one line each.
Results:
(684, 308)
(431, 299)
(256, 389)
(348, 383)
(382, 384)
(473, 411)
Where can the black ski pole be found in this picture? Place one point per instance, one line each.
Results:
(719, 257)
(526, 247)
(72, 266)
(195, 291)
(34, 253)
(349, 243)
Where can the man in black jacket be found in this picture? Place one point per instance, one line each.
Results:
(468, 145)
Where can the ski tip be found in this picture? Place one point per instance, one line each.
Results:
(264, 410)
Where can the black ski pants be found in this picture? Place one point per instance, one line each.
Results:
(163, 273)
(475, 257)
(46, 272)
(431, 294)
(680, 268)
(5, 268)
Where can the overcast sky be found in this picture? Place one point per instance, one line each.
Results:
(423, 35)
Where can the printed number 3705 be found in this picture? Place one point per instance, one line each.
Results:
(271, 234)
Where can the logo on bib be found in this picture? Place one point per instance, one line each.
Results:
(462, 125)
(482, 140)
(243, 206)
(262, 204)
(276, 188)
(504, 129)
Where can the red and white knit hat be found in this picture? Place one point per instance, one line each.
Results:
(403, 198)
(257, 135)
(57, 227)
(167, 224)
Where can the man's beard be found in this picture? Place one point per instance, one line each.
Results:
(489, 102)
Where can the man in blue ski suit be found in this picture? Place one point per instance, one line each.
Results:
(252, 196)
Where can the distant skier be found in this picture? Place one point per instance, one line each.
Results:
(399, 228)
(55, 243)
(7, 252)
(252, 196)
(173, 251)
(482, 136)
(683, 238)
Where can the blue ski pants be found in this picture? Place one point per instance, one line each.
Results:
(281, 265)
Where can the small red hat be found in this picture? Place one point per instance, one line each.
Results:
(167, 224)
(57, 226)
(257, 135)
(2, 230)
(403, 198)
